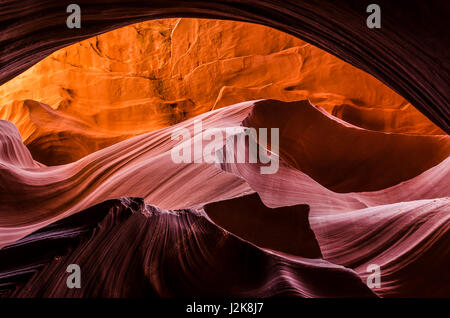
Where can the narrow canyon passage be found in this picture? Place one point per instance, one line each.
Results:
(88, 177)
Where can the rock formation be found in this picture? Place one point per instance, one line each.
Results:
(87, 174)
(158, 73)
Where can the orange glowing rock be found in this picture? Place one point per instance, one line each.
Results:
(155, 74)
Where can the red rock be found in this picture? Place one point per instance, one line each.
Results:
(158, 73)
(165, 254)
(285, 229)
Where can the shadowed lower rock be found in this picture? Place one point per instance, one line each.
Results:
(126, 248)
(284, 229)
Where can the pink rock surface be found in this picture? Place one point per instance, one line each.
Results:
(403, 228)
(129, 249)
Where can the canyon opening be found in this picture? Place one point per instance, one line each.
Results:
(189, 157)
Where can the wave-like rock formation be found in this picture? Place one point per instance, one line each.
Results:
(126, 248)
(403, 227)
(87, 175)
(408, 240)
(407, 53)
(342, 157)
(142, 167)
(54, 137)
(155, 74)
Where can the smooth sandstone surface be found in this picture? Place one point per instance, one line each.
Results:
(86, 174)
(158, 73)
(403, 228)
(409, 53)
(149, 252)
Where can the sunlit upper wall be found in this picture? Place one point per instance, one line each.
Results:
(157, 73)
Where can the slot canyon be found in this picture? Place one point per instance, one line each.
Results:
(87, 177)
